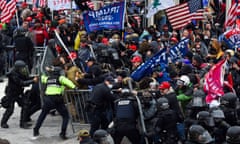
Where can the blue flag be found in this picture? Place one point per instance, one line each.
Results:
(108, 17)
(161, 58)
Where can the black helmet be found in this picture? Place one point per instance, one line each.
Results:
(162, 103)
(19, 64)
(198, 134)
(21, 67)
(217, 113)
(233, 135)
(102, 137)
(198, 99)
(228, 99)
(204, 117)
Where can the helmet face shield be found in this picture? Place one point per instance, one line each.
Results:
(197, 102)
(106, 140)
(205, 138)
(24, 71)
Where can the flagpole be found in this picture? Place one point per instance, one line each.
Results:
(125, 16)
(228, 5)
(71, 12)
(16, 13)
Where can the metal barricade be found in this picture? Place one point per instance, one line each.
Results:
(37, 59)
(76, 101)
(9, 57)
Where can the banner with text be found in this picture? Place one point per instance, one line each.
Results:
(108, 17)
(61, 4)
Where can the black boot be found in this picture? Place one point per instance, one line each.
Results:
(35, 132)
(25, 125)
(4, 121)
(63, 135)
(4, 125)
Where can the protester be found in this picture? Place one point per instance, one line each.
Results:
(179, 59)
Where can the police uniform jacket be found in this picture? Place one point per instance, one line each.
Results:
(102, 96)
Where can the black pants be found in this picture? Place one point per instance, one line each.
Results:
(9, 111)
(53, 102)
(132, 135)
(98, 119)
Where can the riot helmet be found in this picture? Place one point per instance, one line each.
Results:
(162, 103)
(198, 99)
(229, 100)
(233, 135)
(217, 113)
(204, 117)
(198, 134)
(21, 68)
(102, 137)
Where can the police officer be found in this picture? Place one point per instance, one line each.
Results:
(205, 119)
(126, 116)
(99, 104)
(198, 135)
(233, 135)
(101, 136)
(228, 104)
(18, 78)
(53, 98)
(166, 126)
(221, 126)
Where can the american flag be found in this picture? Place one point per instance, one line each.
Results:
(7, 8)
(181, 15)
(90, 4)
(232, 14)
(39, 3)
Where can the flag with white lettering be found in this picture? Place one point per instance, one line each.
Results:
(164, 56)
(214, 81)
(60, 4)
(108, 17)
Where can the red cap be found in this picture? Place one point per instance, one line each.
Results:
(164, 85)
(29, 19)
(105, 41)
(136, 59)
(24, 5)
(174, 39)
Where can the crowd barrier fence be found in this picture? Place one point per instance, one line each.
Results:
(76, 102)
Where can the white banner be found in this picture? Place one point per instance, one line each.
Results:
(158, 5)
(61, 4)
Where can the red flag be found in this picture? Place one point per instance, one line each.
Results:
(7, 8)
(232, 14)
(214, 81)
(181, 15)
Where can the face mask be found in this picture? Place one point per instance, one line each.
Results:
(110, 86)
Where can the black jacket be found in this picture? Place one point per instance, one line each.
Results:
(102, 96)
(16, 83)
